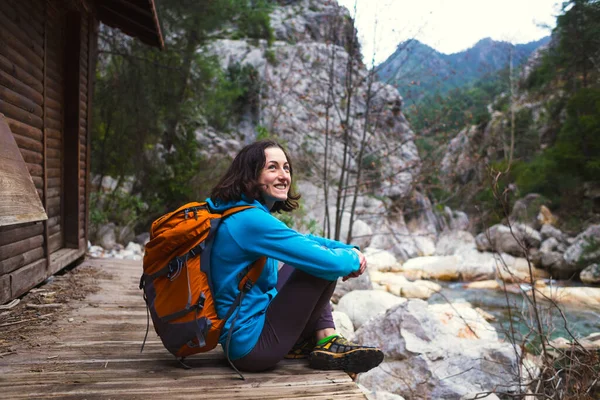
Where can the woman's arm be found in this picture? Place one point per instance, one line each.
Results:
(330, 243)
(260, 233)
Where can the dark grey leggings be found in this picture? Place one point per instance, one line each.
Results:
(300, 308)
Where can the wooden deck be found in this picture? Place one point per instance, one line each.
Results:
(93, 351)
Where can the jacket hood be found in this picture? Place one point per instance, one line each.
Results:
(219, 206)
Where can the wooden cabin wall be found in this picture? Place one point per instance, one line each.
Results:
(47, 58)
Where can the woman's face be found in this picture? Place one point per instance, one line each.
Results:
(275, 178)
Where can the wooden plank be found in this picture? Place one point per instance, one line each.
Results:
(20, 101)
(23, 129)
(54, 221)
(31, 12)
(14, 84)
(53, 163)
(23, 63)
(24, 22)
(27, 143)
(21, 259)
(32, 157)
(55, 242)
(14, 233)
(54, 182)
(27, 277)
(19, 114)
(63, 258)
(54, 134)
(19, 34)
(34, 169)
(54, 143)
(4, 289)
(92, 360)
(12, 249)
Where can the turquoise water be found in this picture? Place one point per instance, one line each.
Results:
(579, 321)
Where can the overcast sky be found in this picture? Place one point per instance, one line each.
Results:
(448, 26)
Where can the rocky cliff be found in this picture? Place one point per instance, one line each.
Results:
(325, 109)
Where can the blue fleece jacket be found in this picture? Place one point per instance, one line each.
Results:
(244, 237)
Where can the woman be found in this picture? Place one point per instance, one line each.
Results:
(286, 312)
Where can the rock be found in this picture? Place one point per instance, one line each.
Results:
(511, 240)
(516, 269)
(343, 324)
(398, 285)
(380, 260)
(486, 315)
(361, 305)
(379, 394)
(124, 234)
(526, 210)
(489, 284)
(442, 268)
(591, 275)
(454, 242)
(548, 231)
(549, 245)
(142, 238)
(362, 282)
(580, 296)
(476, 266)
(106, 236)
(431, 352)
(586, 246)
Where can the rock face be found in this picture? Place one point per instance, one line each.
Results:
(591, 275)
(361, 305)
(304, 103)
(437, 352)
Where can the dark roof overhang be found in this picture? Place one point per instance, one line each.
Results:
(136, 18)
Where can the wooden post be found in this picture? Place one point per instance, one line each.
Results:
(44, 133)
(71, 129)
(92, 43)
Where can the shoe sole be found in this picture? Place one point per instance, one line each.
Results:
(360, 360)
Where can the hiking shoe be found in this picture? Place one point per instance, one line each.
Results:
(301, 349)
(338, 353)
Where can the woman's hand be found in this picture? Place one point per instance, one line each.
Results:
(362, 268)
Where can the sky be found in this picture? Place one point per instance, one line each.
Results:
(448, 26)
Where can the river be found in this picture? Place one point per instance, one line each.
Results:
(579, 321)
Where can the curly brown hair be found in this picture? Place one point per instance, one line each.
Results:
(242, 177)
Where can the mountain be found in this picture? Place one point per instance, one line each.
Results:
(417, 69)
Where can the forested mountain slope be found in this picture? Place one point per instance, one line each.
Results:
(418, 70)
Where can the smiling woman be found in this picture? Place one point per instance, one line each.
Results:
(286, 313)
(276, 177)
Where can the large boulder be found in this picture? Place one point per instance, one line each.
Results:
(586, 247)
(442, 268)
(591, 275)
(106, 236)
(343, 324)
(527, 209)
(513, 240)
(361, 305)
(398, 285)
(380, 260)
(452, 242)
(362, 282)
(440, 351)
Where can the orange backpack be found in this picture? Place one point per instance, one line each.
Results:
(177, 282)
